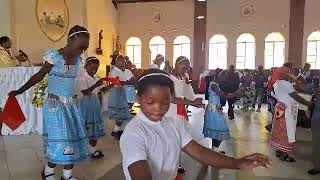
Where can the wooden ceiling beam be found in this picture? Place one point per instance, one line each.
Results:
(139, 1)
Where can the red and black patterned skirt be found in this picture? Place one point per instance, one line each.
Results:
(279, 137)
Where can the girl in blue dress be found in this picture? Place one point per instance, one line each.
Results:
(88, 87)
(215, 126)
(64, 133)
(118, 108)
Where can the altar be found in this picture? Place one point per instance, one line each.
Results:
(11, 79)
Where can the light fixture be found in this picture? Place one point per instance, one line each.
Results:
(200, 17)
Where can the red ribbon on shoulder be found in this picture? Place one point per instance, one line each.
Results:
(181, 110)
(114, 81)
(12, 114)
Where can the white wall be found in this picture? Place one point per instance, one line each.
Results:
(26, 32)
(136, 20)
(311, 22)
(5, 18)
(102, 15)
(269, 16)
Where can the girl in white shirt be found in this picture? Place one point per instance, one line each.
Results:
(157, 62)
(90, 108)
(117, 102)
(151, 143)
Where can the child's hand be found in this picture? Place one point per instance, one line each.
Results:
(14, 93)
(99, 83)
(252, 161)
(198, 100)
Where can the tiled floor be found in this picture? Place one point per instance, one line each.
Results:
(21, 157)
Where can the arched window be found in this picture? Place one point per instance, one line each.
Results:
(274, 50)
(157, 46)
(246, 51)
(133, 50)
(181, 47)
(218, 52)
(313, 50)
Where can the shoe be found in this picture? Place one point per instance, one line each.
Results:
(116, 135)
(269, 127)
(44, 176)
(314, 171)
(181, 170)
(258, 110)
(70, 178)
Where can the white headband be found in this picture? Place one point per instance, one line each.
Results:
(90, 59)
(154, 74)
(182, 59)
(78, 32)
(159, 57)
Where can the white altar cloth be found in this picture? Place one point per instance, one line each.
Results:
(11, 79)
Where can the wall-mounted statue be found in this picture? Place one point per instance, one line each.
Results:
(99, 50)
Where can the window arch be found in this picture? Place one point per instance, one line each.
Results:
(218, 45)
(246, 51)
(181, 47)
(274, 50)
(313, 50)
(133, 50)
(157, 46)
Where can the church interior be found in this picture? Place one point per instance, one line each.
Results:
(212, 34)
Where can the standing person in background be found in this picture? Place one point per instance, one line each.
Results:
(167, 67)
(88, 87)
(229, 82)
(315, 128)
(157, 62)
(183, 93)
(118, 106)
(64, 133)
(248, 85)
(260, 81)
(306, 74)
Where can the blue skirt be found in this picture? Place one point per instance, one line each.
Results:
(91, 113)
(215, 126)
(118, 108)
(64, 133)
(131, 94)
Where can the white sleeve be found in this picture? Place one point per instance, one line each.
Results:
(81, 84)
(288, 87)
(185, 137)
(189, 93)
(133, 148)
(113, 74)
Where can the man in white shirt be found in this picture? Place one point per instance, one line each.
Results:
(157, 62)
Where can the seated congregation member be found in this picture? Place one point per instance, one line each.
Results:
(64, 133)
(7, 59)
(315, 128)
(88, 88)
(248, 84)
(215, 126)
(118, 108)
(152, 142)
(229, 82)
(285, 118)
(157, 62)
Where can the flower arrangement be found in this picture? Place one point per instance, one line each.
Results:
(39, 93)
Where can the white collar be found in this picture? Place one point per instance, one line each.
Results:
(87, 75)
(144, 118)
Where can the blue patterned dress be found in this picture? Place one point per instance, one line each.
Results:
(215, 126)
(64, 133)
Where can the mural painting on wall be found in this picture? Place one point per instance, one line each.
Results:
(53, 18)
(247, 10)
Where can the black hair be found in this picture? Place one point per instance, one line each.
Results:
(288, 65)
(93, 60)
(146, 81)
(115, 58)
(182, 60)
(4, 39)
(76, 29)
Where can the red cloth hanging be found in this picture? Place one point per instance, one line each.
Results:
(181, 110)
(113, 81)
(12, 114)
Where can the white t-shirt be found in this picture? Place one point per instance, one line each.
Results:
(182, 90)
(153, 66)
(125, 75)
(159, 143)
(282, 89)
(83, 82)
